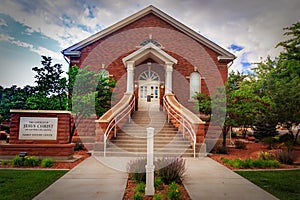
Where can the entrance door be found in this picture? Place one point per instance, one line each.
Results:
(149, 95)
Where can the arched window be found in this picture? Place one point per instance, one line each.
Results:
(149, 76)
(194, 84)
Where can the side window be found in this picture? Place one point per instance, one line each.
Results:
(194, 84)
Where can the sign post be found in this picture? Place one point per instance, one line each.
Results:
(149, 190)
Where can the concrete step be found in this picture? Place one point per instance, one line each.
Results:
(131, 140)
(143, 154)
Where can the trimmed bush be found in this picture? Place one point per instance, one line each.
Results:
(47, 162)
(136, 169)
(171, 169)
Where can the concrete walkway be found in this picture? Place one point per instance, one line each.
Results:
(106, 178)
(208, 179)
(89, 180)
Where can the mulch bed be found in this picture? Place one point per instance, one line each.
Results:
(252, 151)
(59, 165)
(129, 191)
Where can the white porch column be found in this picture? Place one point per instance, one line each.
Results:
(130, 73)
(168, 85)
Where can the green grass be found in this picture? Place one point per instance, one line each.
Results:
(284, 184)
(26, 184)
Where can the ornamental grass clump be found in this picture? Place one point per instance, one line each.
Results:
(285, 156)
(171, 169)
(136, 169)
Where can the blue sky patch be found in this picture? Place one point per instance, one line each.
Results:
(235, 47)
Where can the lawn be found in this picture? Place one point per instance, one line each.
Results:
(284, 184)
(26, 184)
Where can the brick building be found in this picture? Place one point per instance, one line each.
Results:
(156, 61)
(151, 53)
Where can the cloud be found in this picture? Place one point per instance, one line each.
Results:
(2, 22)
(249, 29)
(39, 50)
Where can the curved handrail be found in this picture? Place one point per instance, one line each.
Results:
(116, 114)
(176, 111)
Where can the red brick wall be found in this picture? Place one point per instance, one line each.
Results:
(190, 54)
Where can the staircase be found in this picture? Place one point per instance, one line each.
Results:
(131, 140)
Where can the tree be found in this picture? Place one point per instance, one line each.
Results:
(236, 104)
(281, 79)
(90, 93)
(50, 92)
(13, 98)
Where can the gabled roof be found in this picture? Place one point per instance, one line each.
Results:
(74, 50)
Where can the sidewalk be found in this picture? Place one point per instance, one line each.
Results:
(89, 180)
(205, 178)
(208, 179)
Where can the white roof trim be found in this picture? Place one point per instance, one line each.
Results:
(140, 14)
(149, 50)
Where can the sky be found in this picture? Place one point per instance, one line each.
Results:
(250, 29)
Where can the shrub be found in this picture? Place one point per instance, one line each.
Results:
(270, 142)
(157, 182)
(285, 156)
(136, 169)
(171, 169)
(140, 188)
(5, 162)
(174, 192)
(78, 146)
(157, 196)
(262, 130)
(239, 144)
(138, 196)
(31, 161)
(17, 161)
(47, 162)
(266, 156)
(222, 150)
(287, 139)
(249, 163)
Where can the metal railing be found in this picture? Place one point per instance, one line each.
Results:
(125, 111)
(182, 120)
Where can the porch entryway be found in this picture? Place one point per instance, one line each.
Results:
(149, 91)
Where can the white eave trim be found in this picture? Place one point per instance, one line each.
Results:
(225, 58)
(72, 53)
(151, 9)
